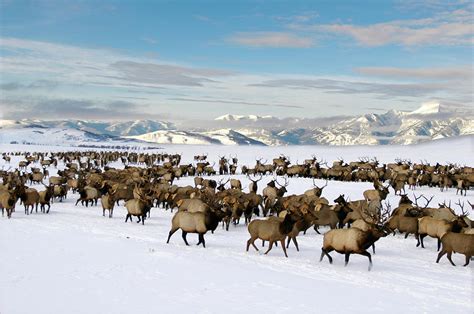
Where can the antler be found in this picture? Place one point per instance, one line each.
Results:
(428, 201)
(286, 182)
(463, 212)
(220, 181)
(472, 205)
(445, 205)
(325, 185)
(254, 181)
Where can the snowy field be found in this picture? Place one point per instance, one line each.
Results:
(73, 260)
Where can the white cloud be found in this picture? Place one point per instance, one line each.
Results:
(443, 73)
(271, 39)
(35, 72)
(447, 28)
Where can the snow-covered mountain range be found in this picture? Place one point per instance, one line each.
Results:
(429, 122)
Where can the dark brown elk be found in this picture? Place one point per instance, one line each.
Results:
(253, 187)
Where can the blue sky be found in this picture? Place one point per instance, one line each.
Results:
(201, 59)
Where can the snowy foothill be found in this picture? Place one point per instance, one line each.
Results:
(74, 260)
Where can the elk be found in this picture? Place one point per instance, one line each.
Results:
(223, 165)
(271, 230)
(253, 187)
(457, 243)
(139, 208)
(45, 197)
(271, 193)
(235, 184)
(29, 197)
(376, 195)
(7, 202)
(461, 185)
(325, 216)
(302, 224)
(108, 203)
(88, 194)
(405, 223)
(354, 240)
(316, 191)
(198, 222)
(436, 228)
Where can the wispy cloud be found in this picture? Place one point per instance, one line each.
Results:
(202, 18)
(443, 73)
(60, 108)
(358, 87)
(271, 39)
(303, 17)
(447, 28)
(149, 40)
(40, 84)
(221, 101)
(165, 74)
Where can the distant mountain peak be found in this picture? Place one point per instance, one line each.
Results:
(429, 108)
(235, 117)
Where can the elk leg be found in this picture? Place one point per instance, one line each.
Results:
(326, 252)
(128, 216)
(49, 206)
(288, 242)
(253, 244)
(170, 234)
(468, 259)
(184, 237)
(440, 255)
(449, 258)
(373, 248)
(406, 235)
(283, 247)
(111, 213)
(316, 229)
(143, 219)
(270, 247)
(296, 244)
(138, 221)
(365, 253)
(201, 235)
(346, 260)
(103, 212)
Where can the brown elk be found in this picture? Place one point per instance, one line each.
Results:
(272, 230)
(253, 187)
(354, 240)
(457, 243)
(436, 228)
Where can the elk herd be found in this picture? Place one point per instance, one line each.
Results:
(142, 181)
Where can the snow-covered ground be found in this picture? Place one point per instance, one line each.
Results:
(76, 261)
